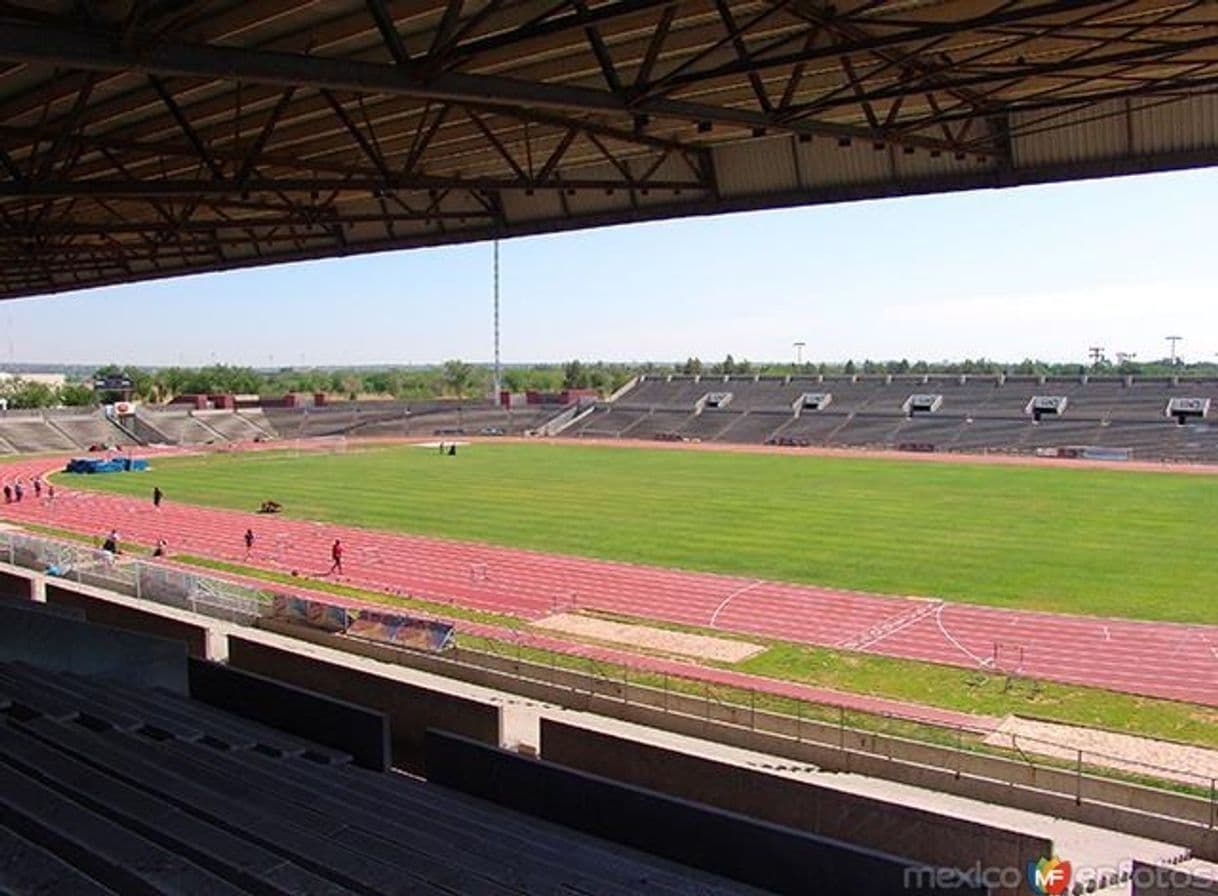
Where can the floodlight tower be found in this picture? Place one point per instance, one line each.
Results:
(1097, 354)
(799, 353)
(1173, 340)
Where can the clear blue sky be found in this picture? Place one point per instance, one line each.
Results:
(1033, 272)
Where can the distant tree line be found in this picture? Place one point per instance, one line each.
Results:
(462, 379)
(20, 393)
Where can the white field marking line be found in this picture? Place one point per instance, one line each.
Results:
(900, 622)
(984, 663)
(727, 600)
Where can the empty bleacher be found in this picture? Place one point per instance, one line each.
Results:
(868, 430)
(1051, 433)
(230, 425)
(605, 421)
(815, 428)
(658, 423)
(114, 789)
(990, 434)
(173, 428)
(681, 392)
(710, 424)
(757, 426)
(939, 430)
(258, 419)
(86, 431)
(978, 413)
(31, 434)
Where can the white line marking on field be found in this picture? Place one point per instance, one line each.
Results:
(983, 662)
(727, 600)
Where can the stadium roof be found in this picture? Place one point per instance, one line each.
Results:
(146, 138)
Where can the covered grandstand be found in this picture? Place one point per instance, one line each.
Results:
(143, 139)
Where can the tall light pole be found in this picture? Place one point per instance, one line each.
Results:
(799, 353)
(497, 377)
(1097, 354)
(1173, 340)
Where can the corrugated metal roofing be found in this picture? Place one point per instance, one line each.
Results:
(145, 138)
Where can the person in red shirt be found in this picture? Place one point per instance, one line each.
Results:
(336, 552)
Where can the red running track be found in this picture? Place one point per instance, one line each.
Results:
(1170, 660)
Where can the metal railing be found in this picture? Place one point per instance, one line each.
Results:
(171, 586)
(1015, 759)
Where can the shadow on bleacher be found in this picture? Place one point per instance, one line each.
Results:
(128, 767)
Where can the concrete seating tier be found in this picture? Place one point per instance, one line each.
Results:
(682, 392)
(987, 434)
(710, 424)
(231, 425)
(91, 430)
(978, 413)
(815, 427)
(1196, 442)
(1059, 433)
(174, 428)
(756, 426)
(1148, 440)
(657, 423)
(100, 794)
(34, 434)
(257, 418)
(605, 422)
(868, 430)
(938, 430)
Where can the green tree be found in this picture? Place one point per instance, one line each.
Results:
(459, 378)
(25, 394)
(574, 376)
(75, 395)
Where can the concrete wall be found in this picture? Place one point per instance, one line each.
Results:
(411, 709)
(33, 606)
(917, 834)
(1119, 806)
(16, 585)
(1165, 880)
(106, 612)
(54, 642)
(340, 724)
(775, 858)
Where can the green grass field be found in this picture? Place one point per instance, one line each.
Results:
(1108, 542)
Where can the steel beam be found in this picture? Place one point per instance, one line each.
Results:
(96, 52)
(120, 187)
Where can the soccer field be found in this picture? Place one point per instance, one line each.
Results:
(1108, 542)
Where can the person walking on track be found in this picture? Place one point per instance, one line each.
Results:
(336, 554)
(157, 495)
(249, 543)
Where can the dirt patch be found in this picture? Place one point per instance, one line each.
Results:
(1126, 752)
(701, 647)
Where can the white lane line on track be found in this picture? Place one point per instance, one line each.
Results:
(735, 594)
(983, 662)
